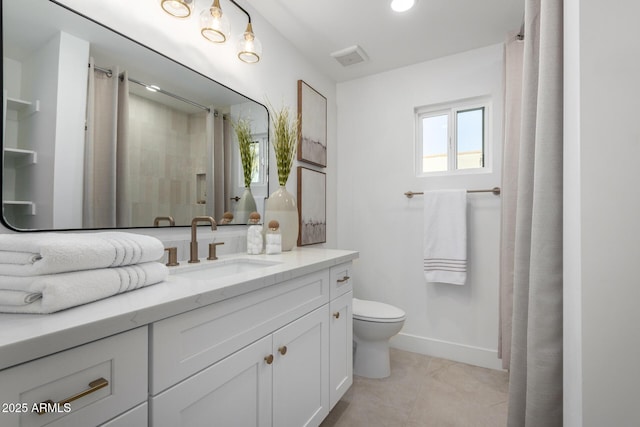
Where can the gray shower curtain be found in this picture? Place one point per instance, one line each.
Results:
(105, 143)
(535, 388)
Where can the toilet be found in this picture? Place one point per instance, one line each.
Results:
(374, 323)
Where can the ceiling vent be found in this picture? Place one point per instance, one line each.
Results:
(351, 55)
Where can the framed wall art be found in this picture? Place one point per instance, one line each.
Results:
(312, 135)
(312, 197)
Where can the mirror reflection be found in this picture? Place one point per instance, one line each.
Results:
(102, 132)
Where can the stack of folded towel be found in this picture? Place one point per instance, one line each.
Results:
(48, 272)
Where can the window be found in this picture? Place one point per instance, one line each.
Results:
(452, 137)
(259, 171)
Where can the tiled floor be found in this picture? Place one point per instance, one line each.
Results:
(424, 391)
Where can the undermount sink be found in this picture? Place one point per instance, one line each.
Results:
(206, 270)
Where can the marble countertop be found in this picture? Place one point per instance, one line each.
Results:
(25, 337)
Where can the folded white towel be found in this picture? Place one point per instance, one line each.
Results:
(20, 258)
(445, 236)
(54, 292)
(45, 253)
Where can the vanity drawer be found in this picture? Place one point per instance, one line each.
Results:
(340, 280)
(106, 378)
(185, 344)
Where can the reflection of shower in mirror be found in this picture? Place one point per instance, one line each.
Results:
(98, 149)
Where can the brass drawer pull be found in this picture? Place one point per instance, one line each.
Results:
(344, 279)
(336, 314)
(94, 385)
(269, 359)
(283, 350)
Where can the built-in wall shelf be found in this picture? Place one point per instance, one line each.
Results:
(29, 207)
(24, 108)
(16, 176)
(21, 157)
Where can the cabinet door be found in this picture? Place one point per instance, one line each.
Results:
(340, 347)
(235, 392)
(134, 417)
(301, 371)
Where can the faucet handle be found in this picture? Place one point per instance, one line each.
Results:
(212, 250)
(173, 256)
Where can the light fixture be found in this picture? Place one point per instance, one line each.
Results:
(214, 25)
(177, 8)
(249, 47)
(402, 5)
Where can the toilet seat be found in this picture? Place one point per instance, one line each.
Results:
(374, 311)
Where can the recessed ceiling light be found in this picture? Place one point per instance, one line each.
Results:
(402, 5)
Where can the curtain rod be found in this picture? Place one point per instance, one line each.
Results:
(494, 190)
(109, 73)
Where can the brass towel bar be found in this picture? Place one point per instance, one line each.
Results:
(494, 190)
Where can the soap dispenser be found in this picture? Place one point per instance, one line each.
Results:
(254, 235)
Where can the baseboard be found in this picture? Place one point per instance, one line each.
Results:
(471, 355)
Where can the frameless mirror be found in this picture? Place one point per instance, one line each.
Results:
(100, 131)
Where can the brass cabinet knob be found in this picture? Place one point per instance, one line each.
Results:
(283, 350)
(336, 314)
(269, 359)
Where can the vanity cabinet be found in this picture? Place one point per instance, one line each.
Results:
(265, 358)
(279, 380)
(279, 355)
(101, 380)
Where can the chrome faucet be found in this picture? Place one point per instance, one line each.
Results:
(194, 242)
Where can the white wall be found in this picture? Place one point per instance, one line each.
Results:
(375, 168)
(274, 78)
(40, 81)
(602, 285)
(69, 140)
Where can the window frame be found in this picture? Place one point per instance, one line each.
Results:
(451, 110)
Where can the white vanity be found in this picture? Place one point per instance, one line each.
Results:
(265, 341)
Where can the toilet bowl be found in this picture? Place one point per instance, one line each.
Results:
(374, 323)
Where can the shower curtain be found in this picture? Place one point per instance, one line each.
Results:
(535, 388)
(104, 202)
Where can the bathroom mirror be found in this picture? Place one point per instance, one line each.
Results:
(100, 131)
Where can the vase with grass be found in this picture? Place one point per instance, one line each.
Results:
(248, 157)
(281, 204)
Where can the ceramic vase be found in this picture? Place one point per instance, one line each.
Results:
(281, 206)
(244, 207)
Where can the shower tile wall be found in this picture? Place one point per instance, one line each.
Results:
(167, 151)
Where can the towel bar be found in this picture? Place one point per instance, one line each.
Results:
(494, 190)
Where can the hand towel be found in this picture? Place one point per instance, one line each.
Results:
(445, 236)
(53, 292)
(47, 253)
